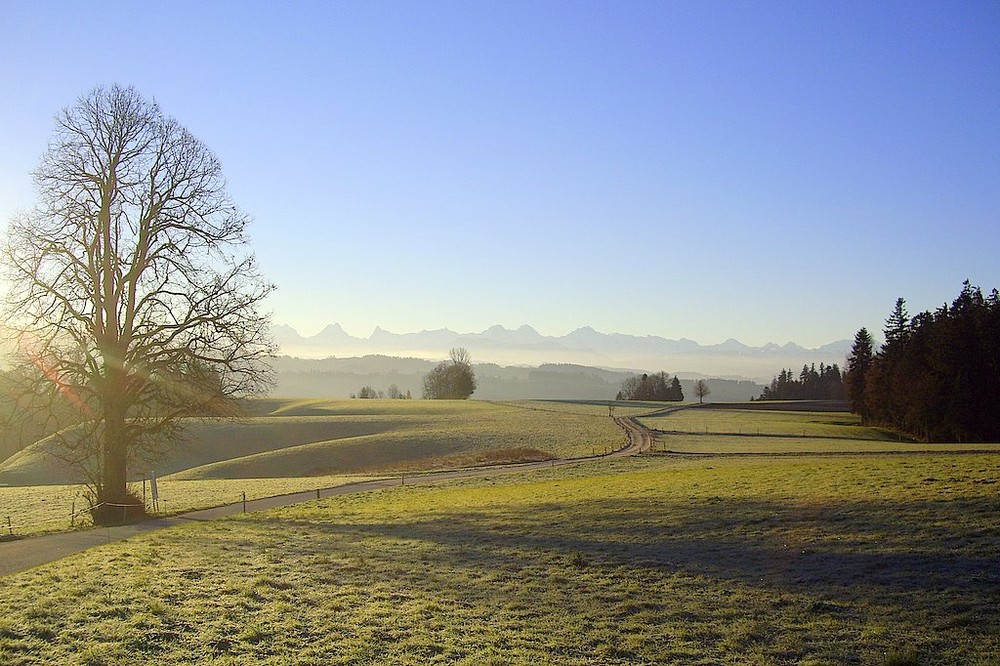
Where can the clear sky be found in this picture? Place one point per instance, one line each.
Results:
(769, 171)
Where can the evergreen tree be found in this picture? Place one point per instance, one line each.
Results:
(812, 384)
(937, 377)
(676, 392)
(897, 325)
(858, 364)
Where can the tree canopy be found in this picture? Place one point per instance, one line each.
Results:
(937, 377)
(811, 384)
(133, 295)
(453, 379)
(858, 364)
(655, 387)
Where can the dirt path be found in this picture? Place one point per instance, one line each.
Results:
(640, 438)
(29, 552)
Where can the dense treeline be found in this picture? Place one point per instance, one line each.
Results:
(937, 377)
(657, 387)
(812, 384)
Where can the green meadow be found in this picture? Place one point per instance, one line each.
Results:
(835, 545)
(713, 419)
(42, 509)
(315, 437)
(284, 446)
(722, 429)
(777, 560)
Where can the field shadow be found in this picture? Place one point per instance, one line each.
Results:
(858, 553)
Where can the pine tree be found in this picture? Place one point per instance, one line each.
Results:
(938, 375)
(897, 325)
(676, 392)
(858, 364)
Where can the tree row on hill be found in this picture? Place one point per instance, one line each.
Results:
(392, 393)
(823, 384)
(937, 377)
(656, 387)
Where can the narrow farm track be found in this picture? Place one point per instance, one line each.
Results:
(22, 554)
(640, 438)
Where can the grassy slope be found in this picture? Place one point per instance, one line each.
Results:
(826, 424)
(463, 434)
(767, 560)
(300, 445)
(722, 430)
(207, 441)
(313, 437)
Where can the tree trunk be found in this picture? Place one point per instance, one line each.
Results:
(115, 455)
(115, 447)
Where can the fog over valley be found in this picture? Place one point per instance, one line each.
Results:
(585, 346)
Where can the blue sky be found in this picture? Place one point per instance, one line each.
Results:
(767, 171)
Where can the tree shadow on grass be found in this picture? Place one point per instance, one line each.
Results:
(854, 553)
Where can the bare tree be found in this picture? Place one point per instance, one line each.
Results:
(133, 295)
(701, 390)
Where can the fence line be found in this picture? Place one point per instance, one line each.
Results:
(25, 528)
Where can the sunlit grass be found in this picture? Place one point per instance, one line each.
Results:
(40, 509)
(746, 431)
(597, 408)
(37, 509)
(340, 407)
(444, 435)
(321, 437)
(764, 445)
(660, 560)
(764, 422)
(306, 444)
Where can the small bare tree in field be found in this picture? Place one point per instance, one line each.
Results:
(132, 294)
(701, 390)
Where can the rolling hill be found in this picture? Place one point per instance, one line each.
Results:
(319, 437)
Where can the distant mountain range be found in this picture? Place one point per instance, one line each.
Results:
(343, 377)
(527, 347)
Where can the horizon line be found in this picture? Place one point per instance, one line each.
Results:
(379, 328)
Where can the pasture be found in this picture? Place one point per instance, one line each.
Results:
(43, 509)
(285, 446)
(834, 545)
(721, 429)
(315, 437)
(774, 560)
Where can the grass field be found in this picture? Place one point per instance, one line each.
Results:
(42, 509)
(421, 435)
(711, 429)
(764, 422)
(290, 445)
(771, 560)
(290, 438)
(743, 559)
